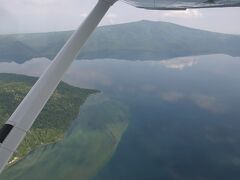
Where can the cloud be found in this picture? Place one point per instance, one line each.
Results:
(180, 63)
(7, 20)
(111, 17)
(189, 13)
(209, 103)
(39, 3)
(84, 15)
(172, 96)
(56, 15)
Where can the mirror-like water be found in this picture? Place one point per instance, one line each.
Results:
(176, 119)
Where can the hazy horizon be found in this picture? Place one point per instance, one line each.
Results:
(30, 16)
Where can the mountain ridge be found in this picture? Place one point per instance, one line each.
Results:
(142, 40)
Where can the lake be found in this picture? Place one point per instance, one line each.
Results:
(182, 116)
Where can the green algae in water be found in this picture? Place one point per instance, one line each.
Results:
(87, 147)
(55, 118)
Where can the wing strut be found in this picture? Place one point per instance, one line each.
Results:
(24, 116)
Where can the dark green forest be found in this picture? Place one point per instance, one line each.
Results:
(55, 118)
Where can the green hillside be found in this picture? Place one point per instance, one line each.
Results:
(142, 40)
(55, 118)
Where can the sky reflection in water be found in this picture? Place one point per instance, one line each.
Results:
(184, 114)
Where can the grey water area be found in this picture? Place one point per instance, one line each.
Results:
(184, 119)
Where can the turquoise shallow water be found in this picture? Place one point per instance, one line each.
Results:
(183, 119)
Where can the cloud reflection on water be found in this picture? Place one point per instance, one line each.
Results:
(209, 103)
(179, 79)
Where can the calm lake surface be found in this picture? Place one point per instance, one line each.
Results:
(184, 119)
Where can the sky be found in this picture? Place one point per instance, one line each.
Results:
(29, 16)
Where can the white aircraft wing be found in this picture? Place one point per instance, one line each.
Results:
(182, 4)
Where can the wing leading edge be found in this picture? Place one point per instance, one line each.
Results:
(182, 4)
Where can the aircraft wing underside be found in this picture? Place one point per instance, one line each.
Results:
(182, 4)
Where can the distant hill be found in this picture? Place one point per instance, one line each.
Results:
(141, 40)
